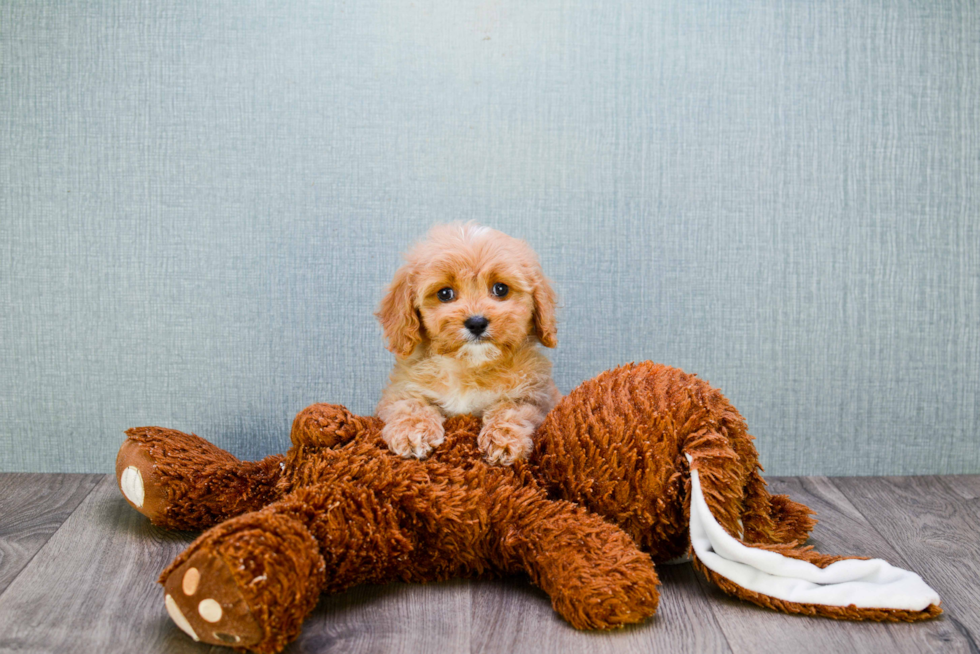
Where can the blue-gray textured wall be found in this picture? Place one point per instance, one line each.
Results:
(201, 202)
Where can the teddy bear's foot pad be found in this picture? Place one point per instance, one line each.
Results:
(203, 599)
(139, 480)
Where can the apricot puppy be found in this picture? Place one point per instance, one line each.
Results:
(464, 316)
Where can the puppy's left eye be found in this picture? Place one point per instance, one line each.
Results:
(446, 294)
(500, 290)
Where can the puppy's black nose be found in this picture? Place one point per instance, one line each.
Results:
(476, 324)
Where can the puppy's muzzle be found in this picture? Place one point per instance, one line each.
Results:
(476, 325)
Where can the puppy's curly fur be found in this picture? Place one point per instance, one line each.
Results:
(464, 316)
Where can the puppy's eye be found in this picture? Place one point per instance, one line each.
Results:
(446, 294)
(500, 290)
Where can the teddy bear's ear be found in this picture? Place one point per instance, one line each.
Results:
(544, 310)
(398, 316)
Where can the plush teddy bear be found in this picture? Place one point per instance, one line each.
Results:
(637, 466)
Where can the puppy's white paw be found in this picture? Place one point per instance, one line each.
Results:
(414, 435)
(504, 442)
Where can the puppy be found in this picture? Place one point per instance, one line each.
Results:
(463, 317)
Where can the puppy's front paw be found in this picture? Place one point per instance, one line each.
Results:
(414, 435)
(504, 442)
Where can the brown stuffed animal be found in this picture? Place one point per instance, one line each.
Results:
(622, 469)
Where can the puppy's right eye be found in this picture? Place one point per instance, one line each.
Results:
(446, 294)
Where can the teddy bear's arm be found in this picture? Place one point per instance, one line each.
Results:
(330, 425)
(594, 572)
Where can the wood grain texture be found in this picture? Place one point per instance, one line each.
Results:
(842, 530)
(932, 522)
(395, 619)
(92, 587)
(966, 487)
(32, 507)
(512, 616)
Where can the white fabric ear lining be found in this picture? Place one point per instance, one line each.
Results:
(871, 583)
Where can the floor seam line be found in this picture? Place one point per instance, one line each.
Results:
(48, 539)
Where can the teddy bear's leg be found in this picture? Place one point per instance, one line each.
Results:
(773, 519)
(595, 574)
(252, 580)
(737, 494)
(181, 481)
(249, 582)
(795, 579)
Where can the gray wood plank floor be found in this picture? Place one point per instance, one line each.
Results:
(78, 573)
(32, 507)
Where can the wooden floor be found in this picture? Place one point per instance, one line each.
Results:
(78, 569)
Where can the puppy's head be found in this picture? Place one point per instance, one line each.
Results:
(470, 292)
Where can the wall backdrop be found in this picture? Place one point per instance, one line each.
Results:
(201, 203)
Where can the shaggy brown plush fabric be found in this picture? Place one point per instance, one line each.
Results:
(616, 445)
(605, 495)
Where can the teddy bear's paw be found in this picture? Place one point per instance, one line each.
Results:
(504, 442)
(607, 587)
(203, 599)
(609, 607)
(414, 435)
(139, 480)
(324, 425)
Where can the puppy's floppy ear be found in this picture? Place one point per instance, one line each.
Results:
(544, 311)
(398, 316)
